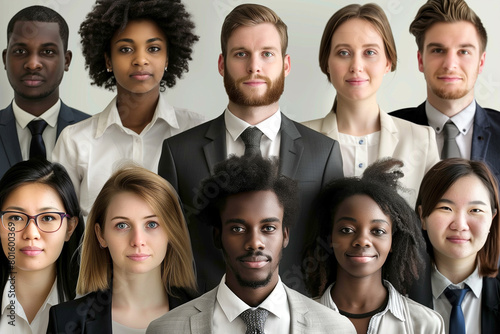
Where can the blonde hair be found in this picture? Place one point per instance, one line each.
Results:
(96, 262)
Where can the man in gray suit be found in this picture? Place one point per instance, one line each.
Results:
(35, 59)
(251, 211)
(254, 65)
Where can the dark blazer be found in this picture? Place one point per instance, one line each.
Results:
(485, 140)
(305, 155)
(92, 313)
(10, 151)
(490, 317)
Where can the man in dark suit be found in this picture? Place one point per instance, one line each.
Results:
(254, 65)
(35, 60)
(451, 52)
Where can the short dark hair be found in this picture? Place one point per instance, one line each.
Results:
(109, 16)
(445, 11)
(40, 14)
(244, 174)
(380, 183)
(55, 176)
(438, 180)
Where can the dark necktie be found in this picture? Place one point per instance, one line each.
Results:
(450, 147)
(255, 320)
(251, 137)
(37, 147)
(457, 321)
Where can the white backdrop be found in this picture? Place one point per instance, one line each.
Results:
(307, 94)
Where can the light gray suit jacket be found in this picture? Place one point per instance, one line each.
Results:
(307, 316)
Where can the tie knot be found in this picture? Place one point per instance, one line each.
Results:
(456, 296)
(251, 137)
(37, 127)
(450, 130)
(255, 320)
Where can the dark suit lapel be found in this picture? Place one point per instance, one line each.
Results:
(8, 136)
(291, 147)
(490, 322)
(99, 314)
(481, 135)
(64, 118)
(215, 150)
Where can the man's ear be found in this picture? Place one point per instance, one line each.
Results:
(220, 64)
(217, 238)
(286, 236)
(67, 60)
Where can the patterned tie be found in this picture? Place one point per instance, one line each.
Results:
(255, 319)
(450, 147)
(457, 321)
(37, 147)
(251, 137)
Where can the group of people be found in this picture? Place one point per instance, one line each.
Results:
(144, 207)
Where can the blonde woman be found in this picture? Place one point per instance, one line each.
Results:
(136, 260)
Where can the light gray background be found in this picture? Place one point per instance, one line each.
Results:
(308, 94)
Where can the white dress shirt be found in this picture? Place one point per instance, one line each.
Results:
(228, 307)
(358, 152)
(93, 149)
(464, 121)
(471, 304)
(20, 324)
(270, 142)
(49, 135)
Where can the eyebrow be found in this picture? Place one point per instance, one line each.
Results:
(129, 40)
(242, 48)
(343, 45)
(127, 218)
(444, 200)
(242, 221)
(373, 221)
(18, 208)
(439, 45)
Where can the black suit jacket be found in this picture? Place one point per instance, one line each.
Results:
(92, 313)
(485, 140)
(490, 317)
(10, 151)
(305, 155)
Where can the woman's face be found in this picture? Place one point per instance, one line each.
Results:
(361, 237)
(357, 61)
(138, 57)
(134, 235)
(460, 222)
(32, 249)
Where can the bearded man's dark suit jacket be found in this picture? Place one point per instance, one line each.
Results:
(306, 156)
(10, 151)
(485, 139)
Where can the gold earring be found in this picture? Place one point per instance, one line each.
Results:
(109, 69)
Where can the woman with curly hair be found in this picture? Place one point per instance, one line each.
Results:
(365, 254)
(136, 261)
(139, 47)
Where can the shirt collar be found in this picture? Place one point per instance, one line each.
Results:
(463, 120)
(110, 116)
(440, 283)
(49, 116)
(51, 300)
(233, 306)
(394, 304)
(235, 126)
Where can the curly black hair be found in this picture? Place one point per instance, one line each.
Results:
(108, 16)
(244, 174)
(380, 183)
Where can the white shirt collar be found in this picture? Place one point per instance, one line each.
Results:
(51, 300)
(440, 283)
(233, 306)
(235, 126)
(110, 116)
(49, 116)
(463, 120)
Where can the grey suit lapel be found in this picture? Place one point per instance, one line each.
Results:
(291, 147)
(298, 313)
(215, 150)
(201, 323)
(8, 136)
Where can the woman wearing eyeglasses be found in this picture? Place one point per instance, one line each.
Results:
(39, 235)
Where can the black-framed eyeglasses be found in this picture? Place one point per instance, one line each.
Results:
(48, 222)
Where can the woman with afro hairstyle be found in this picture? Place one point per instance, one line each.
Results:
(366, 252)
(139, 47)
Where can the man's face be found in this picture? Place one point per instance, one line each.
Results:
(451, 60)
(254, 69)
(35, 60)
(252, 238)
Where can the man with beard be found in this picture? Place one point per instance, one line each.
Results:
(451, 42)
(254, 65)
(251, 215)
(35, 59)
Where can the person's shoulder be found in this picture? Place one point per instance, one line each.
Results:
(310, 133)
(82, 304)
(409, 128)
(401, 113)
(187, 118)
(423, 319)
(193, 133)
(493, 114)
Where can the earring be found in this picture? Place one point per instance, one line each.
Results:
(109, 69)
(166, 67)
